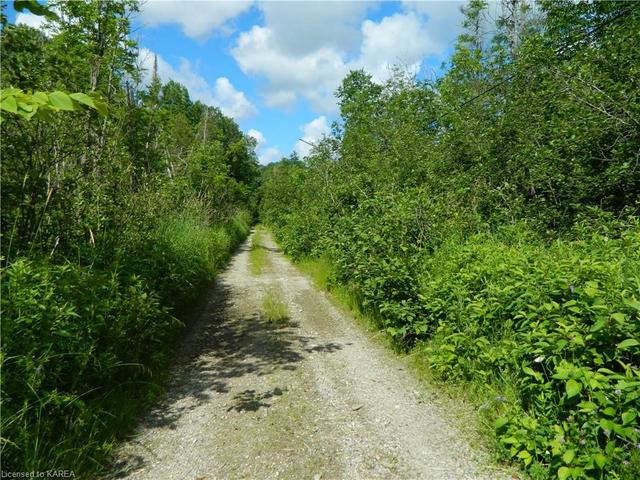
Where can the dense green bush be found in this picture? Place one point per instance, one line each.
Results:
(558, 325)
(84, 349)
(73, 339)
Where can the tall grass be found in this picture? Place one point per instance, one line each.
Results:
(84, 349)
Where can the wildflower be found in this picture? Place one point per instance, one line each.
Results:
(618, 391)
(582, 441)
(539, 359)
(572, 288)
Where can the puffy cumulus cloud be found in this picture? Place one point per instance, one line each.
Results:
(231, 101)
(305, 49)
(313, 75)
(444, 20)
(258, 136)
(302, 27)
(312, 132)
(199, 19)
(223, 95)
(270, 155)
(401, 39)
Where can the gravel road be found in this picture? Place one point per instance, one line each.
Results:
(315, 399)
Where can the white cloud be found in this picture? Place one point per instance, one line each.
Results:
(312, 132)
(231, 101)
(31, 20)
(270, 155)
(314, 75)
(223, 95)
(258, 136)
(305, 49)
(444, 20)
(199, 19)
(301, 27)
(401, 39)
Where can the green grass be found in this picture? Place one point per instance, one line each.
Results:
(319, 270)
(274, 308)
(85, 350)
(258, 254)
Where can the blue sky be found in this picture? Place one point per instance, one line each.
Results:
(273, 66)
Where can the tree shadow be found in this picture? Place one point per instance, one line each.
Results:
(270, 249)
(250, 401)
(219, 345)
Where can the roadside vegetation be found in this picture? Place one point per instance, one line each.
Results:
(274, 308)
(487, 221)
(257, 255)
(114, 220)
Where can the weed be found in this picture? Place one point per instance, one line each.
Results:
(274, 308)
(257, 255)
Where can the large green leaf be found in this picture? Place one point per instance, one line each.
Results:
(9, 104)
(629, 342)
(563, 473)
(34, 7)
(573, 388)
(84, 99)
(61, 101)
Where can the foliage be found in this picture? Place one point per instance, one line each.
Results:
(41, 104)
(113, 223)
(561, 323)
(488, 220)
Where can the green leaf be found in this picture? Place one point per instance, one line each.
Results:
(600, 460)
(568, 456)
(563, 473)
(531, 372)
(629, 342)
(573, 388)
(84, 99)
(619, 317)
(34, 7)
(9, 104)
(61, 101)
(40, 98)
(100, 105)
(526, 456)
(633, 303)
(628, 417)
(587, 407)
(501, 422)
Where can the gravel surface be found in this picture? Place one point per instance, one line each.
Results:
(314, 399)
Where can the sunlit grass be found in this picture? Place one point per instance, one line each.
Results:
(274, 308)
(258, 254)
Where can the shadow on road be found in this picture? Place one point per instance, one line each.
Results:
(221, 345)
